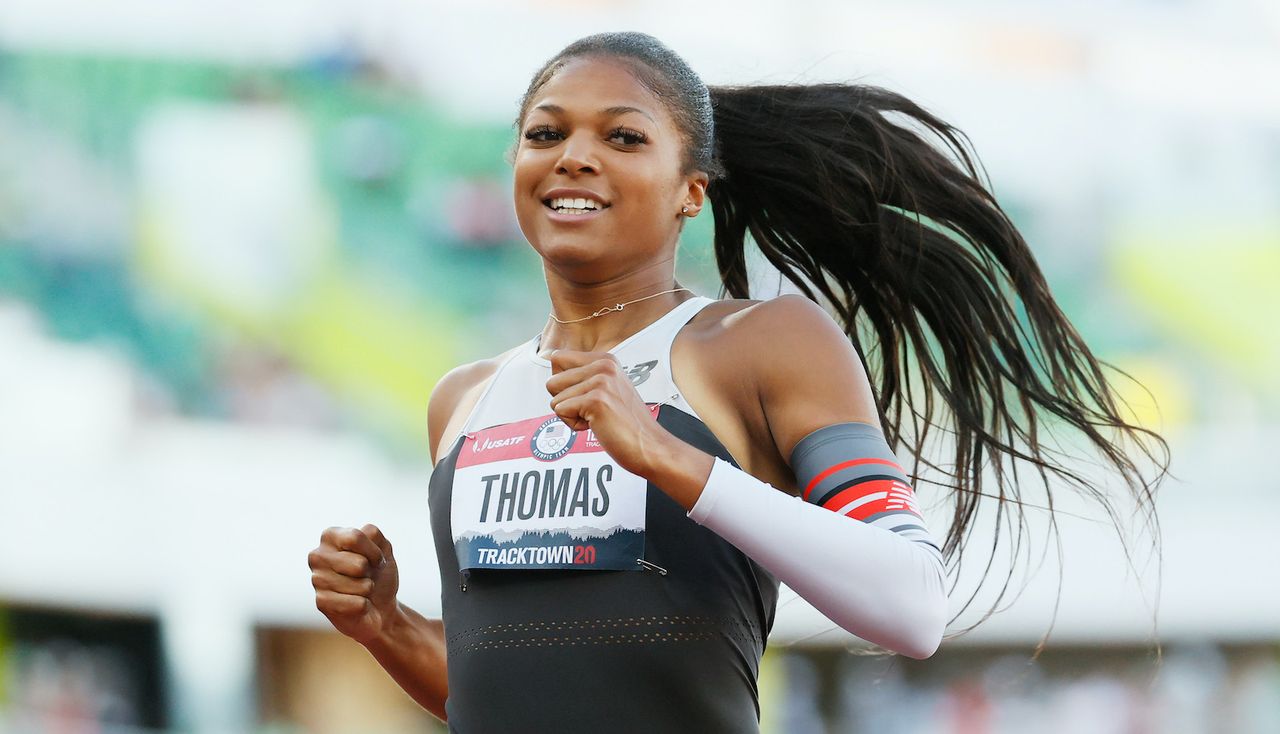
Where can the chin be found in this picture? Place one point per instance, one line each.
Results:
(569, 252)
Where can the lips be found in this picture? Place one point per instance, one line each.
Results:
(576, 198)
(571, 206)
(576, 218)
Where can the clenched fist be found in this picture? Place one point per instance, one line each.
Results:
(590, 390)
(356, 580)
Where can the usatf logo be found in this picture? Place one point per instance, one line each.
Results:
(486, 444)
(551, 440)
(640, 372)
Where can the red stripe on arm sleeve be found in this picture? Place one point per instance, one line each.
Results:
(845, 465)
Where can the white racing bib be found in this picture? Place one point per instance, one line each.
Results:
(536, 494)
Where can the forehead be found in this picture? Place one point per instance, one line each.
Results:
(590, 85)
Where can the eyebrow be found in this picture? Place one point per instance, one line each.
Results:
(611, 111)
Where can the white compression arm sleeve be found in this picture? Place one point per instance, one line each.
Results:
(877, 584)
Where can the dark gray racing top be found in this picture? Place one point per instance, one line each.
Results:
(550, 623)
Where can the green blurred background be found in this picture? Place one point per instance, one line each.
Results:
(238, 246)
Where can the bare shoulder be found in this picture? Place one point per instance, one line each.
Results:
(455, 394)
(716, 319)
(738, 337)
(791, 310)
(758, 326)
(791, 358)
(801, 331)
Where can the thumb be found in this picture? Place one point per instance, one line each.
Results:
(379, 539)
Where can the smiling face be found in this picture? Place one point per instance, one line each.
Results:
(598, 185)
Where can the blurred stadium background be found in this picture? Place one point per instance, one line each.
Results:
(239, 243)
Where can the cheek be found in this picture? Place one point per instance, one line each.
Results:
(653, 197)
(522, 172)
(524, 184)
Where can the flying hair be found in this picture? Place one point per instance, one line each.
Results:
(844, 190)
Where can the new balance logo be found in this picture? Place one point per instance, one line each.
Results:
(640, 372)
(902, 498)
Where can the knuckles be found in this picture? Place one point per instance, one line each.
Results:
(329, 558)
(326, 601)
(372, 531)
(337, 536)
(324, 585)
(332, 603)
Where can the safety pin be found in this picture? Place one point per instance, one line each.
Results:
(666, 401)
(652, 566)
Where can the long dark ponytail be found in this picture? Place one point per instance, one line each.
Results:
(840, 189)
(864, 213)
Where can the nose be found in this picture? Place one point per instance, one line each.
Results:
(576, 156)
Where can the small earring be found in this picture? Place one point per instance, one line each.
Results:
(684, 210)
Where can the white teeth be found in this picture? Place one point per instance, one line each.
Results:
(580, 204)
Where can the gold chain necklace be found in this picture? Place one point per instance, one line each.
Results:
(616, 307)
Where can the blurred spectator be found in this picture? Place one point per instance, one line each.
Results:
(262, 386)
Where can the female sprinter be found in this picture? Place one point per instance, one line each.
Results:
(615, 501)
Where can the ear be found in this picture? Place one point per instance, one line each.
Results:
(695, 193)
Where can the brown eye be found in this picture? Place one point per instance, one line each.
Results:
(628, 136)
(541, 133)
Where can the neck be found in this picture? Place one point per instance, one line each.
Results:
(570, 300)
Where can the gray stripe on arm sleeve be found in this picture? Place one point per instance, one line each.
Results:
(887, 500)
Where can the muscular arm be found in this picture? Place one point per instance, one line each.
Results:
(883, 582)
(411, 649)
